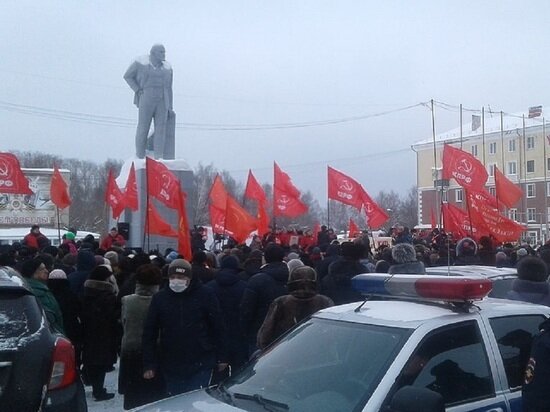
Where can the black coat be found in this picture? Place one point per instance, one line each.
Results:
(229, 289)
(100, 324)
(262, 289)
(337, 284)
(70, 308)
(535, 394)
(190, 329)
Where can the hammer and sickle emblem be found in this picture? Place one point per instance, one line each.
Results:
(465, 166)
(345, 185)
(4, 169)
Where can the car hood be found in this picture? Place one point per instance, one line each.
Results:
(196, 401)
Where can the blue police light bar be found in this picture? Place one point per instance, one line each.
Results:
(427, 287)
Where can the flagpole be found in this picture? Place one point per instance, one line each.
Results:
(58, 225)
(483, 132)
(146, 222)
(502, 137)
(461, 135)
(328, 212)
(522, 164)
(435, 176)
(544, 140)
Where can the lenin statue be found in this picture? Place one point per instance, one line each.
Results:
(150, 77)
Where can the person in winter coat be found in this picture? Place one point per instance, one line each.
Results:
(36, 275)
(137, 390)
(70, 308)
(531, 284)
(100, 323)
(186, 316)
(200, 268)
(85, 262)
(331, 255)
(252, 264)
(337, 284)
(35, 239)
(466, 252)
(535, 395)
(262, 289)
(113, 238)
(229, 289)
(405, 261)
(288, 310)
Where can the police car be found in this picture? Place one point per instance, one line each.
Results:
(417, 343)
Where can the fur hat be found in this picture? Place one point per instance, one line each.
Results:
(101, 273)
(403, 253)
(522, 252)
(302, 273)
(148, 274)
(180, 267)
(532, 268)
(466, 247)
(274, 253)
(57, 274)
(112, 256)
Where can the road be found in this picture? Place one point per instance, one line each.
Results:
(113, 405)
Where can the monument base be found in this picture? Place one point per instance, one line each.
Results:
(137, 238)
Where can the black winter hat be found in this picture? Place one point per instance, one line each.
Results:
(532, 268)
(29, 267)
(148, 274)
(274, 253)
(230, 262)
(100, 272)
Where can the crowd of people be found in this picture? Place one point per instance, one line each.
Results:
(177, 324)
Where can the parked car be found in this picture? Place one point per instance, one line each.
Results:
(431, 344)
(37, 366)
(502, 278)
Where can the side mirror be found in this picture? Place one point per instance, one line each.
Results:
(414, 399)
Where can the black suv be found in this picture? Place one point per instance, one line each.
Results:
(37, 366)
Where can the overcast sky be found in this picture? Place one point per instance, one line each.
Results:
(251, 63)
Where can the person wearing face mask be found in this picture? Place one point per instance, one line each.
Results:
(187, 317)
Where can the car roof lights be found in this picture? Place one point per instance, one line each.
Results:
(424, 287)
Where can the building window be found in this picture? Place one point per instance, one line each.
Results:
(548, 189)
(491, 169)
(445, 196)
(512, 168)
(493, 191)
(531, 237)
(530, 142)
(531, 190)
(512, 145)
(458, 195)
(474, 149)
(548, 214)
(493, 148)
(531, 214)
(513, 214)
(530, 166)
(548, 163)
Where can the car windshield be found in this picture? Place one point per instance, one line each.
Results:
(322, 365)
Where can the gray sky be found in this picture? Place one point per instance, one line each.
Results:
(270, 62)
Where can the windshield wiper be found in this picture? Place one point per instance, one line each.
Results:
(268, 404)
(225, 394)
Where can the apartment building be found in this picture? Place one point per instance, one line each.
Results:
(518, 145)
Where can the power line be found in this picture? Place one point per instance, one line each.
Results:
(124, 122)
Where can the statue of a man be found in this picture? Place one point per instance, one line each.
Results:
(150, 77)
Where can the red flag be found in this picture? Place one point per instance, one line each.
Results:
(376, 216)
(238, 220)
(464, 168)
(184, 232)
(433, 220)
(456, 221)
(218, 194)
(486, 218)
(113, 196)
(156, 225)
(217, 220)
(130, 191)
(316, 230)
(253, 190)
(344, 189)
(162, 184)
(507, 192)
(286, 198)
(12, 179)
(263, 220)
(353, 229)
(59, 193)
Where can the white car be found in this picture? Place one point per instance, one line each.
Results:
(432, 343)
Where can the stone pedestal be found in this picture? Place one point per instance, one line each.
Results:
(136, 220)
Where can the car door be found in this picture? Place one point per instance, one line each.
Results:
(453, 360)
(513, 336)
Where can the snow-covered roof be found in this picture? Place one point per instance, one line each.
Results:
(510, 122)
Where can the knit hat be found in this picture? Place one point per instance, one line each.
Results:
(57, 274)
(522, 252)
(171, 256)
(294, 264)
(403, 253)
(70, 236)
(292, 255)
(274, 253)
(180, 267)
(29, 267)
(229, 262)
(112, 256)
(101, 273)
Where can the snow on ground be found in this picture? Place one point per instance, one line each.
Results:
(112, 405)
